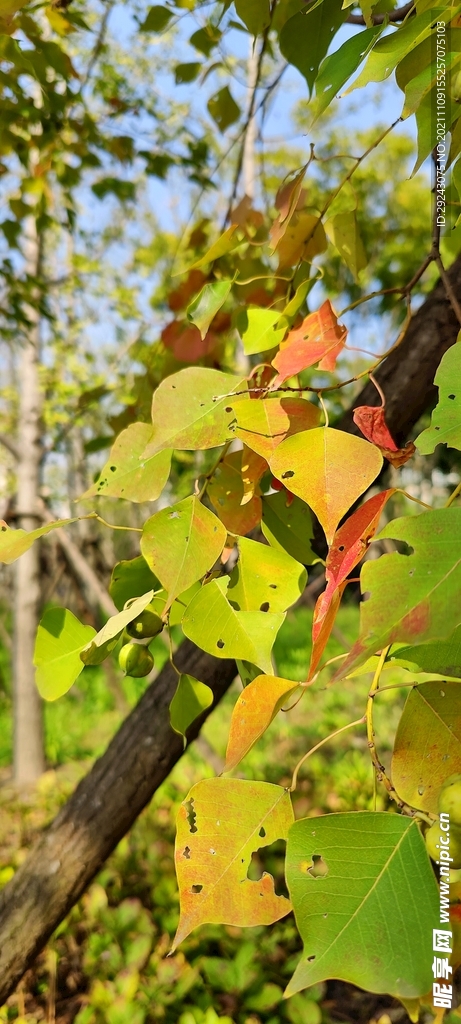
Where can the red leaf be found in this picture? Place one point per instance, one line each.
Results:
(319, 339)
(185, 342)
(347, 549)
(370, 420)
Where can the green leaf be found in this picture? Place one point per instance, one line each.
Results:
(189, 410)
(289, 526)
(129, 579)
(187, 72)
(256, 329)
(181, 543)
(157, 19)
(443, 657)
(223, 108)
(104, 642)
(255, 14)
(393, 47)
(416, 597)
(124, 190)
(343, 232)
(264, 579)
(190, 699)
(204, 307)
(220, 824)
(337, 69)
(369, 919)
(306, 37)
(60, 638)
(445, 425)
(127, 474)
(218, 629)
(328, 469)
(206, 38)
(427, 747)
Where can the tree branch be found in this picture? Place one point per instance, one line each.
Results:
(378, 19)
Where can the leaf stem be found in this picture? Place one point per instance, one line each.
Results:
(454, 495)
(112, 526)
(350, 725)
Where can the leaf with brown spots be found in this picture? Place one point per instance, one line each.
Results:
(263, 424)
(226, 492)
(221, 823)
(320, 339)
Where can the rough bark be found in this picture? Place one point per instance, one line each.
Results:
(102, 809)
(28, 746)
(407, 375)
(107, 802)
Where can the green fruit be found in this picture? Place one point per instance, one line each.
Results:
(135, 660)
(434, 844)
(450, 800)
(147, 624)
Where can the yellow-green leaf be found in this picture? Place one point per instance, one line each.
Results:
(221, 823)
(255, 709)
(127, 474)
(59, 641)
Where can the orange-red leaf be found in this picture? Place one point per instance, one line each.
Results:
(221, 823)
(265, 423)
(185, 342)
(328, 469)
(348, 548)
(320, 339)
(253, 712)
(371, 421)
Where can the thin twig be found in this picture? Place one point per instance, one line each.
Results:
(350, 725)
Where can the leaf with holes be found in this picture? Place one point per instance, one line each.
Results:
(204, 307)
(104, 642)
(328, 469)
(365, 901)
(13, 543)
(445, 426)
(126, 474)
(265, 579)
(320, 339)
(60, 638)
(253, 468)
(427, 747)
(287, 525)
(181, 543)
(190, 699)
(348, 548)
(189, 410)
(216, 627)
(255, 709)
(220, 825)
(416, 597)
(226, 492)
(265, 422)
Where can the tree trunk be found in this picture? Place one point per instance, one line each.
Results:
(107, 802)
(102, 809)
(28, 746)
